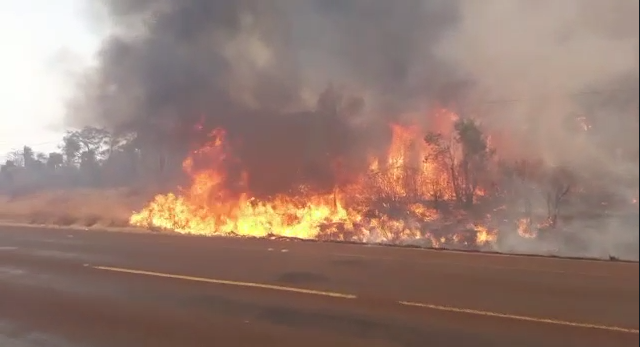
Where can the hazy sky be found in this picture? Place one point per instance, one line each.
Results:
(42, 39)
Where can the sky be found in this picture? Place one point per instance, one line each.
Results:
(43, 40)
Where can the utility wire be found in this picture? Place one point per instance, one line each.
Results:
(552, 95)
(487, 102)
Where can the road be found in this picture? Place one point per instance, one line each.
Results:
(76, 288)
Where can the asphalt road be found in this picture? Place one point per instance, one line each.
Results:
(85, 288)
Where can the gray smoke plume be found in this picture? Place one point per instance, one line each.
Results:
(302, 82)
(561, 67)
(564, 75)
(558, 60)
(290, 79)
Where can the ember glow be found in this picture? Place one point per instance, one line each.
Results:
(391, 203)
(525, 228)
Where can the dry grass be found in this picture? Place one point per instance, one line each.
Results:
(78, 207)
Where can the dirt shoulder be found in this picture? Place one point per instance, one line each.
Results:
(80, 208)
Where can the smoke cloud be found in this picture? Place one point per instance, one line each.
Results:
(301, 82)
(554, 66)
(550, 56)
(290, 79)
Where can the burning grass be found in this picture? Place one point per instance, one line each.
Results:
(428, 189)
(402, 199)
(438, 190)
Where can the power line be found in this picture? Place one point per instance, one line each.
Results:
(45, 143)
(486, 102)
(575, 94)
(31, 145)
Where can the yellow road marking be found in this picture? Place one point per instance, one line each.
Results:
(231, 283)
(520, 318)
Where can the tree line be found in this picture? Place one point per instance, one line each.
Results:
(88, 157)
(97, 158)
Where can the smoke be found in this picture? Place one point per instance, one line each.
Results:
(298, 83)
(266, 55)
(564, 77)
(554, 62)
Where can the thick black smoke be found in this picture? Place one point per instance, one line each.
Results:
(264, 70)
(287, 78)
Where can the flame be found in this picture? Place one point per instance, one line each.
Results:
(525, 228)
(484, 235)
(584, 124)
(399, 184)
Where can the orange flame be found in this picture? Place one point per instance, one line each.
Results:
(525, 228)
(207, 207)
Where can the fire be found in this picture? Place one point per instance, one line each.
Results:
(484, 235)
(208, 208)
(525, 228)
(387, 205)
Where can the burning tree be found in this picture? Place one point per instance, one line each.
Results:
(465, 154)
(386, 203)
(531, 178)
(559, 181)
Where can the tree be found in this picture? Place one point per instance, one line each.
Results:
(42, 157)
(88, 145)
(94, 140)
(465, 155)
(559, 182)
(524, 177)
(16, 157)
(54, 161)
(28, 157)
(440, 155)
(71, 148)
(7, 170)
(475, 157)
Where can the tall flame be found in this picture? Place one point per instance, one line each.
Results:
(208, 207)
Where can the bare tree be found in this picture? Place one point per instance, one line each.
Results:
(439, 155)
(559, 183)
(527, 173)
(16, 157)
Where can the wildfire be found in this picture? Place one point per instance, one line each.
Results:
(484, 235)
(386, 205)
(525, 228)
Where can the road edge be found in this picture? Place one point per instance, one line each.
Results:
(134, 230)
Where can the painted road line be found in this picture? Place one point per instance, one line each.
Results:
(230, 283)
(351, 296)
(520, 318)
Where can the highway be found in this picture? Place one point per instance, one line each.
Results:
(81, 288)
